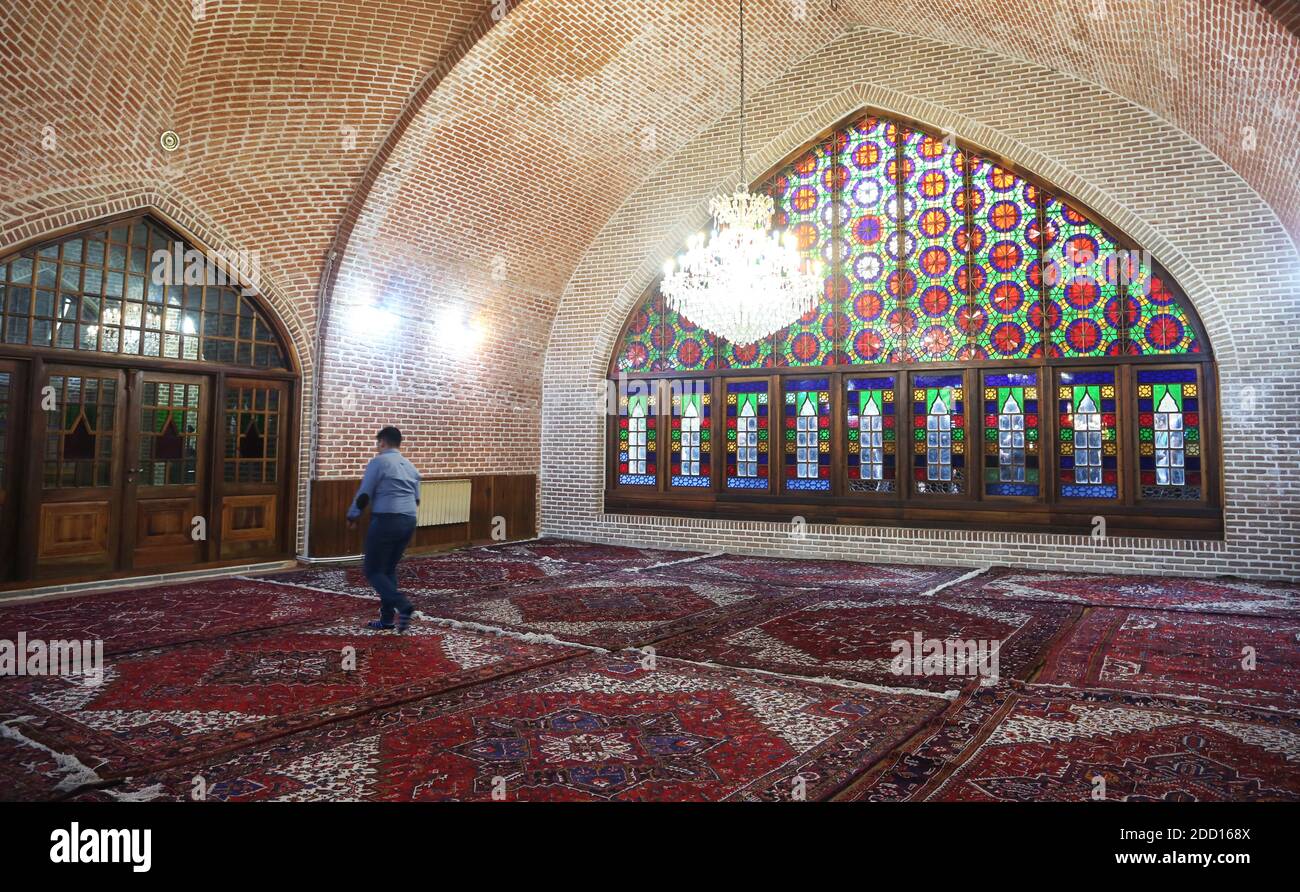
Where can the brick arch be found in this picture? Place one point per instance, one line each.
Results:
(626, 257)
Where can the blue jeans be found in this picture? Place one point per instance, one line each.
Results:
(386, 539)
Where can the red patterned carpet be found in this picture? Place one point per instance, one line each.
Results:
(449, 574)
(769, 679)
(594, 728)
(175, 704)
(611, 611)
(1024, 744)
(1218, 595)
(853, 638)
(1242, 660)
(620, 557)
(134, 619)
(859, 578)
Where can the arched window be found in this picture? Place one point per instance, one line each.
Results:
(1034, 358)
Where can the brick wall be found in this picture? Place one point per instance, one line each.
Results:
(1198, 217)
(454, 161)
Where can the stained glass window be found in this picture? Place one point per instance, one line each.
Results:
(934, 237)
(935, 253)
(1159, 326)
(871, 433)
(1089, 444)
(692, 446)
(747, 435)
(1169, 433)
(1011, 425)
(637, 439)
(1005, 318)
(805, 194)
(685, 346)
(947, 267)
(939, 433)
(808, 435)
(1081, 272)
(132, 288)
(640, 351)
(868, 240)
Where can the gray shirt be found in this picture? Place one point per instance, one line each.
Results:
(392, 483)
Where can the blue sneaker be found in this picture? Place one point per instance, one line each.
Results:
(378, 625)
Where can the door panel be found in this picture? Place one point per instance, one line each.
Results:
(253, 466)
(13, 432)
(166, 474)
(79, 426)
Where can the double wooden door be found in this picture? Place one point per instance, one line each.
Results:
(119, 465)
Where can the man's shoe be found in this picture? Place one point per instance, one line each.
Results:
(378, 625)
(404, 619)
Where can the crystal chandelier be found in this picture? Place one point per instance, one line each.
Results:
(745, 282)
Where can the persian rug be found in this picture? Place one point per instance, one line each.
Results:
(1210, 595)
(170, 705)
(618, 557)
(450, 574)
(31, 771)
(143, 618)
(610, 611)
(597, 728)
(860, 578)
(1243, 660)
(1032, 744)
(866, 639)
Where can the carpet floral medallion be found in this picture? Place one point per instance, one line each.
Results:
(884, 640)
(1034, 744)
(621, 557)
(451, 574)
(169, 705)
(855, 577)
(1242, 660)
(593, 728)
(142, 618)
(610, 611)
(1214, 595)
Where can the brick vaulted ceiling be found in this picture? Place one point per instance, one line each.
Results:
(523, 136)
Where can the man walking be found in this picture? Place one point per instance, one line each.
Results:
(391, 487)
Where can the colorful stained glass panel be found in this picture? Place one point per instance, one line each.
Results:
(747, 435)
(637, 437)
(641, 341)
(808, 435)
(1159, 324)
(1081, 274)
(1011, 426)
(692, 434)
(939, 434)
(1088, 451)
(1169, 434)
(1006, 319)
(934, 235)
(868, 244)
(684, 346)
(871, 433)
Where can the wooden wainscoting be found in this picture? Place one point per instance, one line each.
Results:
(511, 497)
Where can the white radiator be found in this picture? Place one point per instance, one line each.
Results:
(443, 501)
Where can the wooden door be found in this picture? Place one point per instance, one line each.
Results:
(77, 443)
(13, 433)
(166, 471)
(254, 464)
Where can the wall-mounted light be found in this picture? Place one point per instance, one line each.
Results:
(457, 334)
